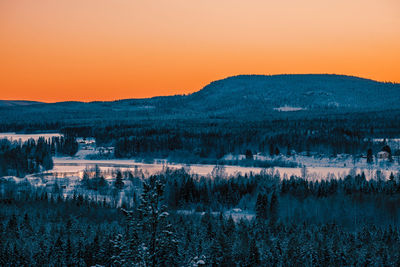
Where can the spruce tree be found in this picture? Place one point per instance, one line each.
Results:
(119, 184)
(370, 159)
(254, 254)
(150, 240)
(274, 207)
(262, 207)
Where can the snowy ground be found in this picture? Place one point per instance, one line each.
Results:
(288, 109)
(314, 170)
(26, 137)
(317, 166)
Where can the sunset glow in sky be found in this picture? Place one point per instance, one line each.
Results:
(58, 50)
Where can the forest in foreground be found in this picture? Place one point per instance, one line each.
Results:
(297, 222)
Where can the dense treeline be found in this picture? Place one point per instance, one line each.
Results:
(42, 229)
(20, 159)
(361, 228)
(353, 201)
(215, 137)
(188, 191)
(369, 201)
(220, 242)
(64, 145)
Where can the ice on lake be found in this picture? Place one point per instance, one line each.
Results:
(74, 166)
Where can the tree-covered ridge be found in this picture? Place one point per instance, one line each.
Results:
(243, 93)
(240, 97)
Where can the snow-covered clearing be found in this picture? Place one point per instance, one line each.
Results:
(288, 108)
(66, 176)
(26, 137)
(326, 169)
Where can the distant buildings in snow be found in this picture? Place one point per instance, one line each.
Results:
(383, 155)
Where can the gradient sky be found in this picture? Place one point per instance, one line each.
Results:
(57, 50)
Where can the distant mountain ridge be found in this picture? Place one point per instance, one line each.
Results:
(308, 91)
(13, 103)
(242, 96)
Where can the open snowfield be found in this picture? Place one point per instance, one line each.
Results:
(26, 137)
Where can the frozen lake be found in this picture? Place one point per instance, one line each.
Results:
(70, 166)
(317, 168)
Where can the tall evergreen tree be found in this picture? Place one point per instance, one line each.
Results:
(254, 254)
(370, 159)
(262, 207)
(151, 240)
(274, 207)
(119, 184)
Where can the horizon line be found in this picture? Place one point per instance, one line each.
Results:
(183, 94)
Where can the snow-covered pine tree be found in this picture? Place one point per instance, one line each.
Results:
(150, 239)
(119, 183)
(262, 207)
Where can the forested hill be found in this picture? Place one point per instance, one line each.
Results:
(13, 103)
(243, 96)
(307, 91)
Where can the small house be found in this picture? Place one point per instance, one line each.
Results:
(106, 150)
(383, 155)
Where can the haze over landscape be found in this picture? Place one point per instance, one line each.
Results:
(101, 50)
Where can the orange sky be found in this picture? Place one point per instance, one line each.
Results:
(57, 50)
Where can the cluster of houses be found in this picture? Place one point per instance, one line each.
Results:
(383, 155)
(89, 143)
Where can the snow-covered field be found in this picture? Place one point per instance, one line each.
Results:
(78, 165)
(25, 137)
(312, 171)
(288, 108)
